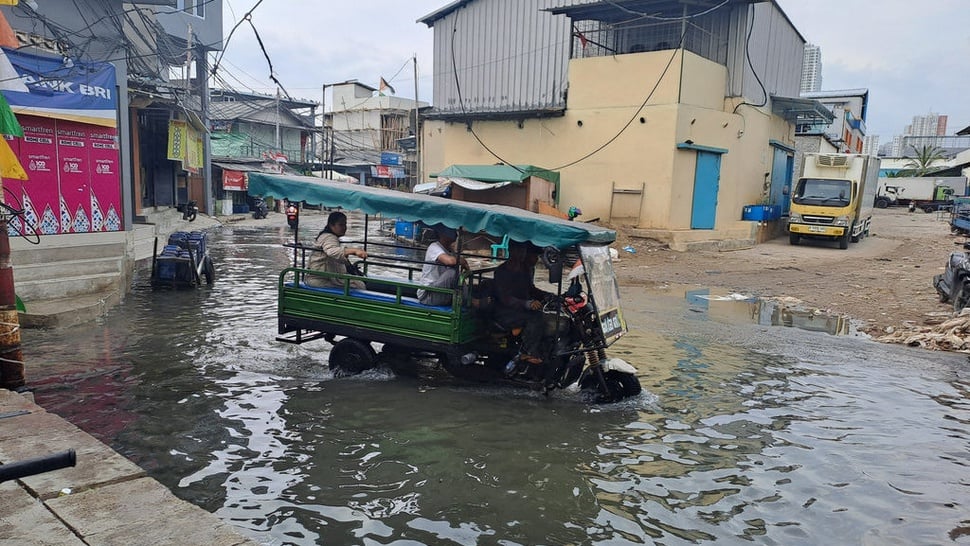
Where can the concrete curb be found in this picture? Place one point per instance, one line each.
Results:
(111, 501)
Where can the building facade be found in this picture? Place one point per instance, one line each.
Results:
(811, 69)
(666, 126)
(923, 126)
(365, 130)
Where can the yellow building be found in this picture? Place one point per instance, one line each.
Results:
(675, 139)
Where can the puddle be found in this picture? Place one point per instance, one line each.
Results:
(725, 306)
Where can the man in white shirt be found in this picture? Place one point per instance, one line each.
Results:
(440, 268)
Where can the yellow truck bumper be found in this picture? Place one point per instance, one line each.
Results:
(821, 231)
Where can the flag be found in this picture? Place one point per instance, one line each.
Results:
(7, 36)
(10, 166)
(384, 85)
(8, 121)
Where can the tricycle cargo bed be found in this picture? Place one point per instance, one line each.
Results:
(368, 314)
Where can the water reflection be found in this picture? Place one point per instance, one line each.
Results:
(745, 433)
(733, 307)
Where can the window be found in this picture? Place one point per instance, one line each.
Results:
(192, 7)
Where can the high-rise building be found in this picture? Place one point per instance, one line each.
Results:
(811, 69)
(870, 144)
(929, 125)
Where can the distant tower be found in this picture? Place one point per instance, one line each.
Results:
(870, 145)
(928, 125)
(811, 69)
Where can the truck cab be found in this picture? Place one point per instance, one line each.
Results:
(833, 198)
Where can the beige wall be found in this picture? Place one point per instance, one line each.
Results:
(604, 100)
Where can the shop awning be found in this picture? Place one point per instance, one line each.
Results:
(801, 111)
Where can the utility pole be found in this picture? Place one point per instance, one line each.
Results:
(417, 128)
(11, 355)
(323, 127)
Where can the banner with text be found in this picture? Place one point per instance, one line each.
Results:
(52, 88)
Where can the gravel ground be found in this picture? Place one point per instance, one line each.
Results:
(883, 283)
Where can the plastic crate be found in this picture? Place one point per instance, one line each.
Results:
(761, 213)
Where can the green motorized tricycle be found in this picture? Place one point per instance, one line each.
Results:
(583, 313)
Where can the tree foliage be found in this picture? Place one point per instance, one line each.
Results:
(926, 156)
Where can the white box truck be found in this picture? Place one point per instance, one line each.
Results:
(833, 198)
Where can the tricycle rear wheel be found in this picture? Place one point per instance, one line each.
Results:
(352, 356)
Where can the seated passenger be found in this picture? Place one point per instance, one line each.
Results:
(519, 302)
(331, 257)
(441, 267)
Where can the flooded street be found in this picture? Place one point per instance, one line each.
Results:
(748, 431)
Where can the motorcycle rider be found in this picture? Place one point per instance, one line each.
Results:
(520, 301)
(292, 214)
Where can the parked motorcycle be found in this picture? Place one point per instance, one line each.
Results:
(953, 285)
(293, 215)
(260, 210)
(189, 210)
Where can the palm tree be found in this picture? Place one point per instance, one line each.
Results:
(926, 156)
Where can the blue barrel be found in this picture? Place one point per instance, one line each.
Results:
(403, 228)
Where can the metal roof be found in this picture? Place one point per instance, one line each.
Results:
(430, 18)
(801, 110)
(618, 11)
(245, 110)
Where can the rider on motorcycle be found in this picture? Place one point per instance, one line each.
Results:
(520, 301)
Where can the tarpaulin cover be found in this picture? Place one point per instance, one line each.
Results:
(498, 173)
(497, 220)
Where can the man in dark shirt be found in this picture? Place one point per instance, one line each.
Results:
(519, 301)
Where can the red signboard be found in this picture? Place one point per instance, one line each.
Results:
(233, 180)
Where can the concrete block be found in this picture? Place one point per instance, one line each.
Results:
(141, 512)
(25, 521)
(40, 433)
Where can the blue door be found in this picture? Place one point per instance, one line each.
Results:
(707, 176)
(781, 175)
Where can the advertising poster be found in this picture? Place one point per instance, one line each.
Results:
(40, 194)
(13, 189)
(70, 146)
(103, 156)
(72, 155)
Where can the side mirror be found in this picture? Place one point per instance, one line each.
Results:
(552, 259)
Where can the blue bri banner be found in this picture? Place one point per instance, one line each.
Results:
(48, 87)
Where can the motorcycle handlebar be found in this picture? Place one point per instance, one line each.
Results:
(37, 465)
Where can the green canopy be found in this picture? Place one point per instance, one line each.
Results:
(497, 220)
(498, 173)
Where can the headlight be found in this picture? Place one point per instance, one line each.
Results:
(794, 218)
(841, 221)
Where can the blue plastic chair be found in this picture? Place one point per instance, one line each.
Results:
(502, 247)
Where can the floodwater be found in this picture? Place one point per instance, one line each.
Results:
(748, 431)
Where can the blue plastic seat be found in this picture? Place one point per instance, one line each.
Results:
(502, 247)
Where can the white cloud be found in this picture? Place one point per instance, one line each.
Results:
(911, 56)
(313, 42)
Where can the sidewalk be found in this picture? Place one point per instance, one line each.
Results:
(111, 501)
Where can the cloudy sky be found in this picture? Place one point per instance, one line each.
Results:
(912, 56)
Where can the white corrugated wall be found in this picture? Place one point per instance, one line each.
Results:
(510, 56)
